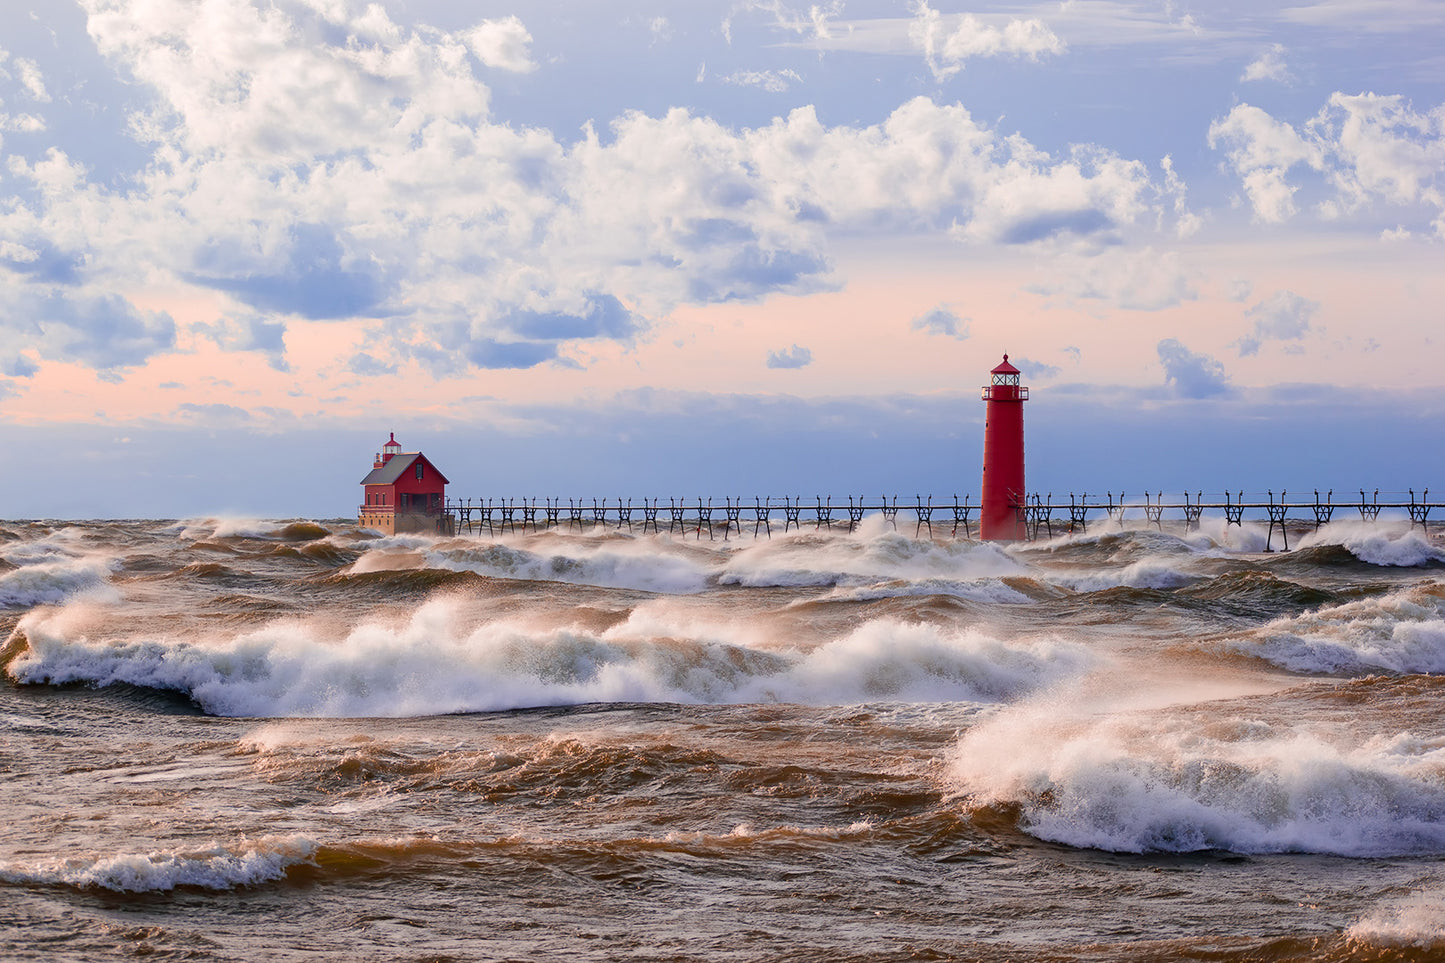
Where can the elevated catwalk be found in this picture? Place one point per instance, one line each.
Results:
(1036, 514)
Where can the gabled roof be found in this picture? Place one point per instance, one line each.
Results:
(388, 474)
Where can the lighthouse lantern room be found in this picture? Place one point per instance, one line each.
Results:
(404, 493)
(1002, 515)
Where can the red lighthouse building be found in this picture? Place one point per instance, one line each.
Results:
(404, 493)
(1001, 516)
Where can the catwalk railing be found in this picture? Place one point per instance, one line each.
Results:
(1040, 513)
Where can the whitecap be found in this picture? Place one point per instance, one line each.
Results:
(216, 867)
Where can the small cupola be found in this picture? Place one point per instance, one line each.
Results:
(391, 449)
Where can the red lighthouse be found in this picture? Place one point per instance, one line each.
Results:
(1002, 514)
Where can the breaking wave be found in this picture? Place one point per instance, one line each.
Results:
(610, 563)
(1377, 544)
(217, 867)
(1402, 632)
(433, 665)
(874, 553)
(1239, 784)
(222, 529)
(50, 582)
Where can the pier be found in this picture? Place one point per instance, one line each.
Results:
(1039, 514)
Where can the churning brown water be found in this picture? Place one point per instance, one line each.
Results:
(294, 741)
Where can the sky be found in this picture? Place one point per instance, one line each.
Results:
(629, 249)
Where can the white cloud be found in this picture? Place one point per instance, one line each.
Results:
(1108, 24)
(1374, 16)
(308, 165)
(814, 23)
(1285, 316)
(942, 320)
(22, 123)
(1186, 222)
(1269, 65)
(248, 332)
(1262, 150)
(506, 44)
(1370, 148)
(773, 81)
(947, 43)
(1189, 374)
(793, 357)
(1141, 279)
(1384, 150)
(1035, 369)
(26, 73)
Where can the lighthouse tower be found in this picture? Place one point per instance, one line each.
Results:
(1002, 513)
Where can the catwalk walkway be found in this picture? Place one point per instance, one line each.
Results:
(1045, 515)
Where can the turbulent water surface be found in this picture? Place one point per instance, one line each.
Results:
(227, 740)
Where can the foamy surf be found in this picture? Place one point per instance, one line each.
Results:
(1416, 921)
(1128, 784)
(874, 553)
(432, 664)
(1402, 632)
(612, 563)
(679, 566)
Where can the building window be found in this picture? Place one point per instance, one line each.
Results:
(418, 471)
